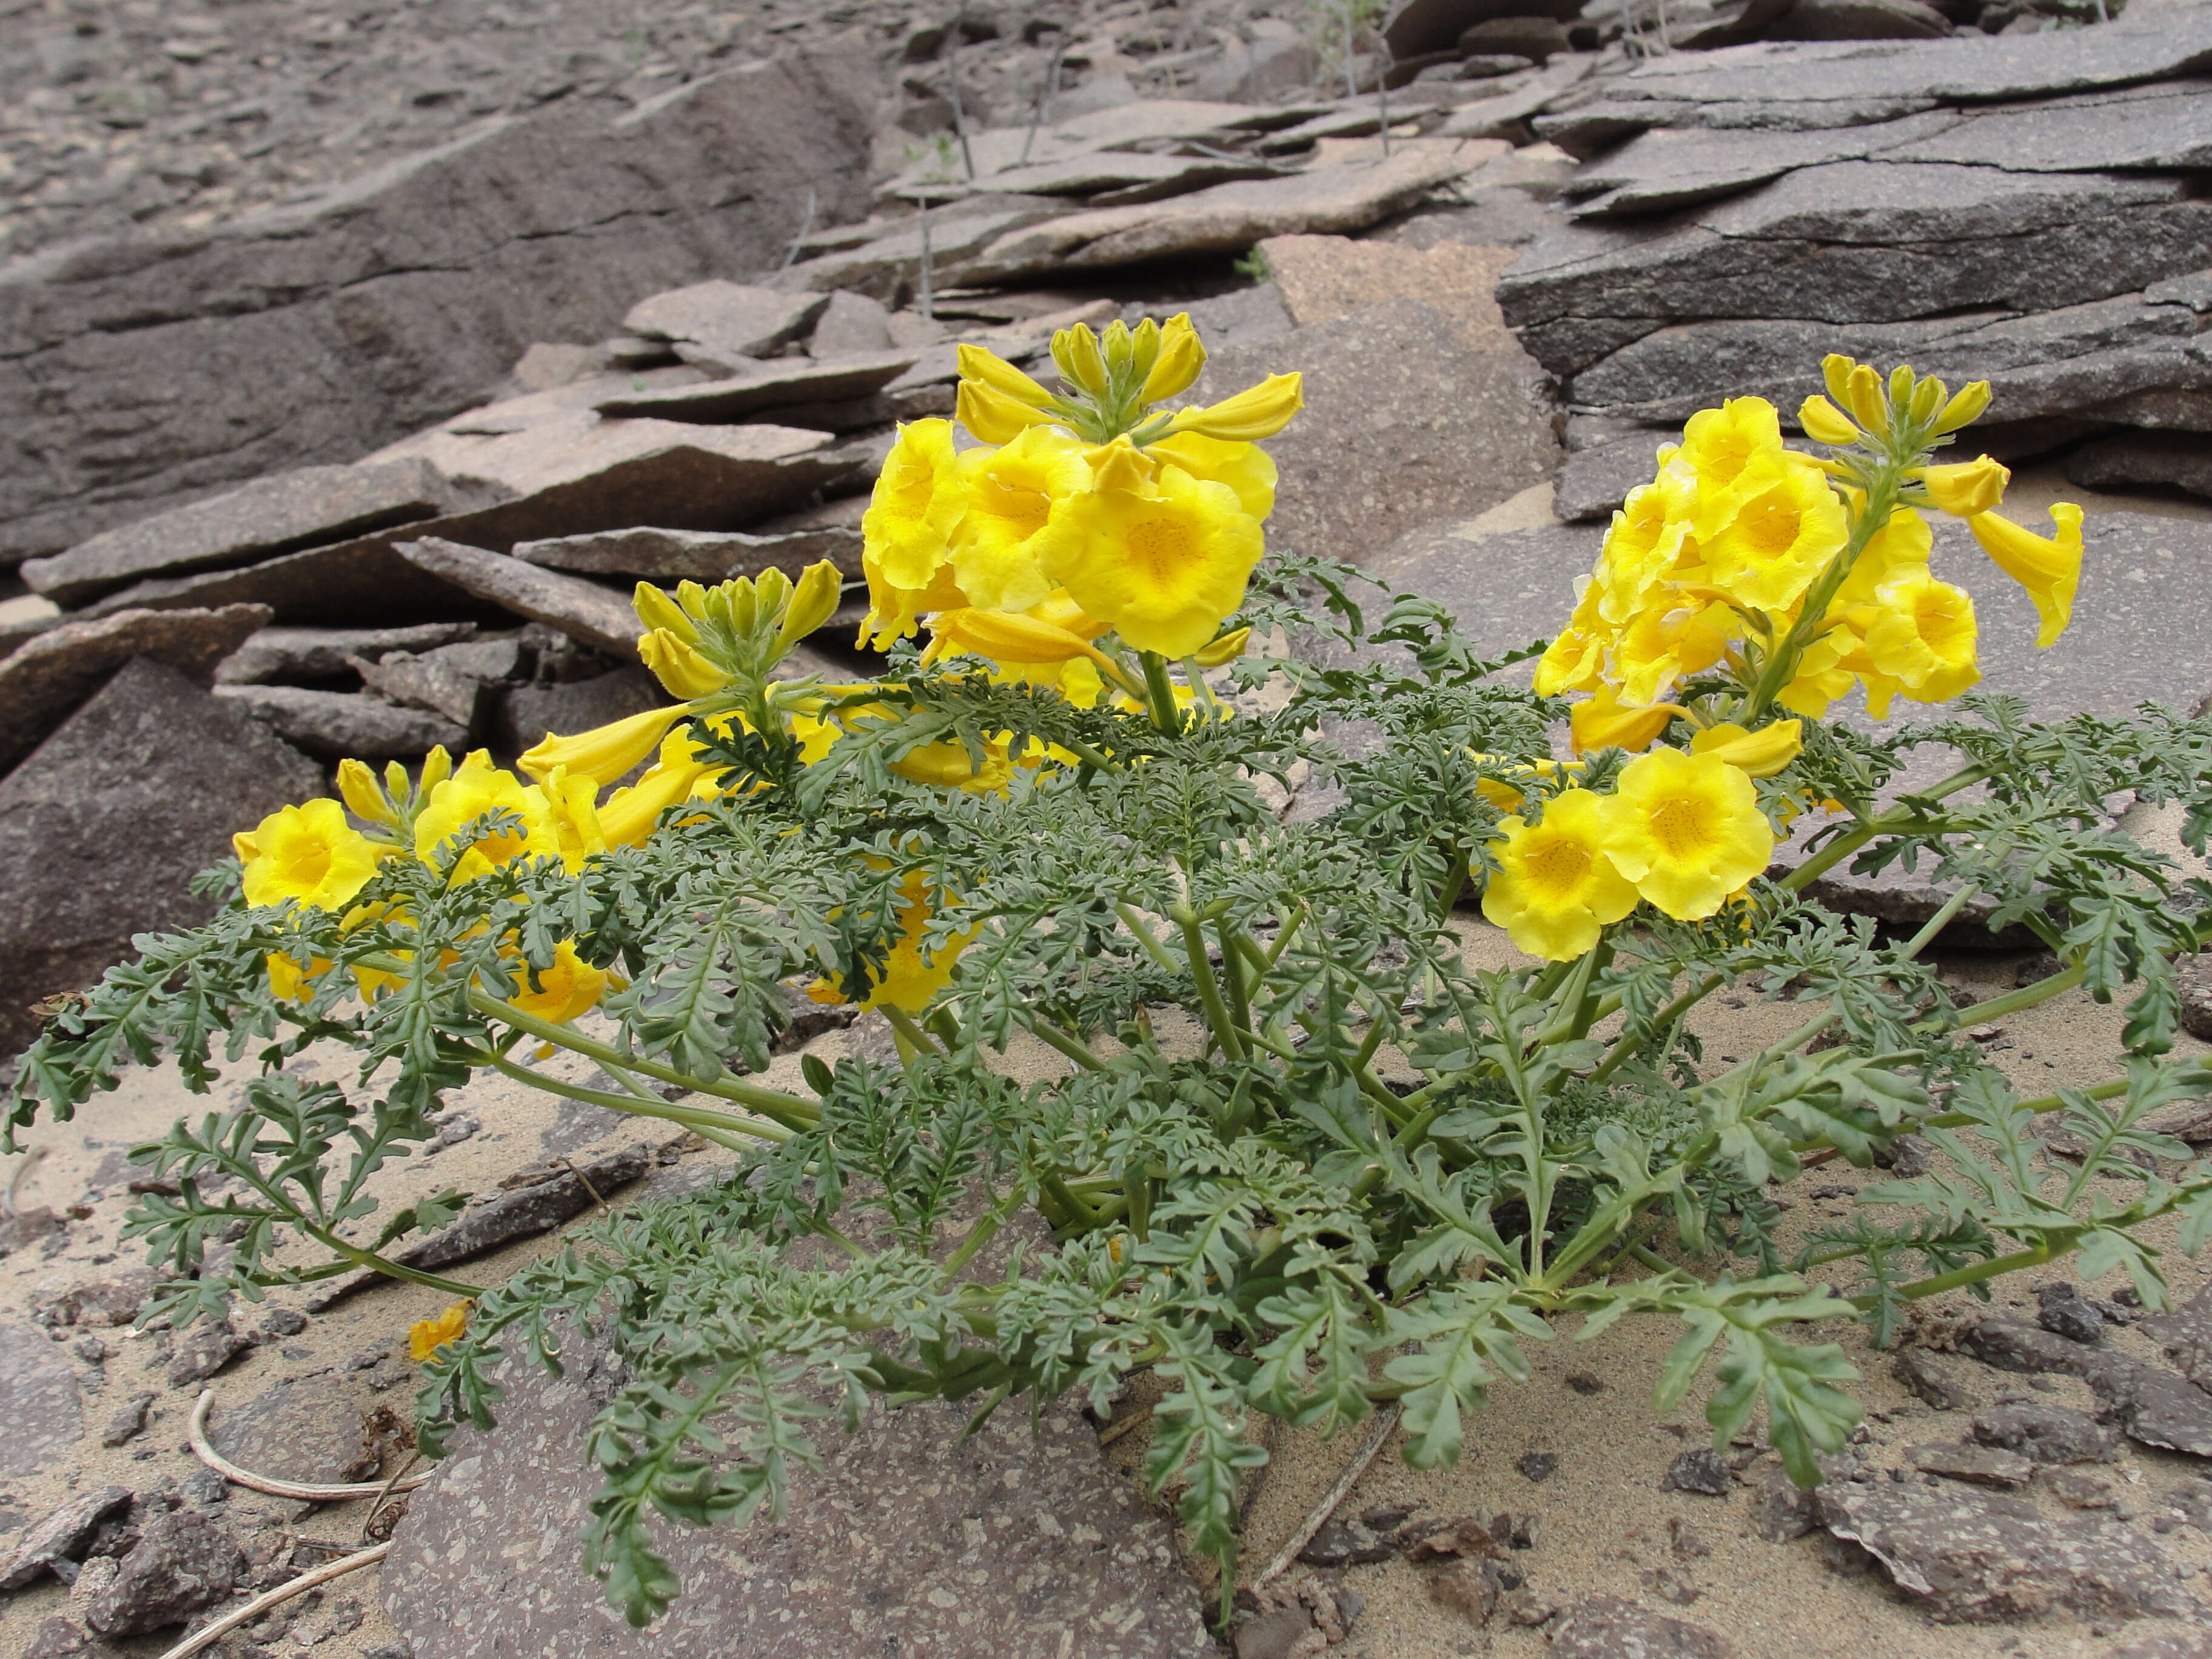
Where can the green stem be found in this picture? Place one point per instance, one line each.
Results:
(370, 1260)
(1159, 691)
(1209, 988)
(1048, 1031)
(1454, 883)
(1781, 664)
(917, 1039)
(1240, 1001)
(2111, 1089)
(1131, 920)
(1972, 1273)
(721, 1127)
(2013, 1002)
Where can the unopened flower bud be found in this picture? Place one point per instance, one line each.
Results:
(1008, 637)
(813, 602)
(993, 416)
(358, 787)
(987, 367)
(1224, 649)
(605, 752)
(1836, 375)
(1182, 357)
(655, 609)
(1927, 397)
(1966, 408)
(1259, 411)
(437, 767)
(1862, 397)
(1144, 350)
(1901, 382)
(1076, 351)
(1760, 754)
(685, 673)
(1825, 423)
(1967, 488)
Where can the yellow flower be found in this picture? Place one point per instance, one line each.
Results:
(1920, 641)
(575, 818)
(1735, 450)
(570, 987)
(476, 790)
(1649, 537)
(287, 979)
(1757, 754)
(1659, 647)
(1687, 830)
(1825, 423)
(1967, 488)
(682, 672)
(948, 765)
(986, 368)
(627, 817)
(308, 853)
(893, 610)
(2049, 569)
(917, 502)
(426, 1336)
(1176, 368)
(364, 796)
(1575, 660)
(1245, 468)
(1164, 568)
(1504, 795)
(1603, 723)
(1259, 411)
(1903, 543)
(1779, 538)
(1555, 885)
(605, 752)
(991, 415)
(907, 979)
(1006, 636)
(1020, 514)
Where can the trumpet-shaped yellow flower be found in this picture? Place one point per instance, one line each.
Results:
(909, 979)
(2050, 569)
(948, 765)
(289, 977)
(1507, 796)
(627, 817)
(1165, 566)
(1967, 487)
(1757, 754)
(1906, 543)
(1245, 468)
(918, 499)
(605, 752)
(681, 670)
(1735, 451)
(575, 818)
(1575, 660)
(1687, 830)
(474, 792)
(1556, 885)
(1257, 412)
(1604, 722)
(894, 611)
(308, 853)
(1020, 516)
(1008, 637)
(426, 1336)
(569, 986)
(1920, 641)
(1779, 538)
(1659, 648)
(1649, 538)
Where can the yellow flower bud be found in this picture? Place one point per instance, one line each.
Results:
(1144, 350)
(437, 767)
(1603, 723)
(395, 780)
(993, 416)
(1006, 636)
(1825, 423)
(813, 602)
(656, 609)
(771, 593)
(696, 604)
(1114, 343)
(605, 752)
(1076, 351)
(1901, 382)
(1967, 488)
(1257, 412)
(1862, 397)
(2049, 568)
(1761, 753)
(1225, 649)
(1182, 358)
(988, 368)
(1927, 397)
(1836, 375)
(685, 673)
(358, 788)
(1966, 408)
(736, 606)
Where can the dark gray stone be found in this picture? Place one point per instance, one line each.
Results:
(1526, 36)
(347, 584)
(1403, 423)
(886, 268)
(1972, 1559)
(1674, 168)
(2182, 460)
(2046, 1434)
(277, 654)
(1932, 1382)
(534, 1202)
(1242, 317)
(1978, 1465)
(1020, 1544)
(1592, 482)
(204, 1349)
(101, 1303)
(1699, 1469)
(58, 1638)
(277, 515)
(597, 616)
(1424, 26)
(725, 319)
(850, 323)
(1506, 590)
(2186, 1336)
(1609, 1628)
(528, 713)
(152, 763)
(127, 1421)
(1537, 1466)
(1342, 1543)
(345, 724)
(452, 680)
(62, 1536)
(2149, 1404)
(311, 1430)
(759, 391)
(673, 555)
(1507, 115)
(1861, 20)
(185, 1560)
(55, 672)
(2064, 1311)
(147, 370)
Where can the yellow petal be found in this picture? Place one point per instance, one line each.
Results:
(359, 789)
(991, 415)
(1257, 412)
(986, 368)
(1967, 488)
(1825, 423)
(655, 609)
(1555, 885)
(2049, 568)
(605, 752)
(1602, 723)
(1760, 754)
(814, 600)
(1008, 637)
(1964, 409)
(1181, 359)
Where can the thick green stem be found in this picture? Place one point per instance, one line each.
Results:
(1047, 1030)
(1454, 883)
(1209, 988)
(391, 1269)
(723, 1129)
(2014, 1002)
(1973, 1274)
(1131, 920)
(1159, 693)
(915, 1038)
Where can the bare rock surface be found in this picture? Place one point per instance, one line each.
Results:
(1021, 1546)
(596, 615)
(309, 1430)
(725, 319)
(61, 1535)
(316, 654)
(759, 390)
(1611, 1627)
(673, 556)
(184, 1561)
(342, 725)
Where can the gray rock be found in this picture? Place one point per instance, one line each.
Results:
(452, 680)
(55, 672)
(344, 725)
(673, 555)
(280, 514)
(62, 1536)
(725, 319)
(1278, 1633)
(2166, 1644)
(1781, 1511)
(583, 610)
(1609, 1628)
(1700, 1469)
(1861, 20)
(1225, 219)
(1022, 1544)
(102, 1303)
(184, 353)
(1971, 1559)
(887, 267)
(152, 763)
(1673, 167)
(1506, 590)
(528, 713)
(185, 1560)
(127, 1421)
(58, 1638)
(2127, 459)
(760, 392)
(1932, 1382)
(1507, 115)
(850, 323)
(1424, 26)
(1116, 178)
(2186, 1336)
(529, 1207)
(321, 654)
(1978, 1465)
(310, 1430)
(2150, 1404)
(2064, 1311)
(1404, 423)
(1592, 482)
(347, 584)
(2046, 1434)
(204, 1349)
(1241, 316)
(1522, 34)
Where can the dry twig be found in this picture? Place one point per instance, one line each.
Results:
(1385, 1421)
(312, 1491)
(202, 1639)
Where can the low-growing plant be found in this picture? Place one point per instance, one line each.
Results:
(1293, 1151)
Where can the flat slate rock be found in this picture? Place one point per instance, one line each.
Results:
(308, 1430)
(1973, 1559)
(1611, 1627)
(346, 725)
(350, 583)
(887, 267)
(2182, 460)
(321, 654)
(41, 683)
(1131, 175)
(757, 391)
(911, 1539)
(597, 616)
(728, 319)
(670, 556)
(44, 1417)
(1506, 590)
(276, 514)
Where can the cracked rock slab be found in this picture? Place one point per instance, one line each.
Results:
(911, 1539)
(725, 319)
(672, 556)
(60, 1536)
(345, 724)
(759, 390)
(597, 616)
(1611, 1627)
(1972, 1559)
